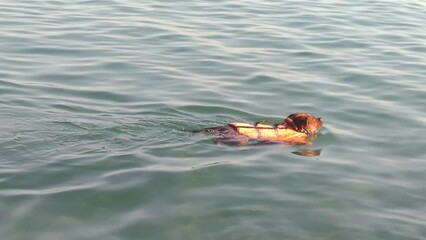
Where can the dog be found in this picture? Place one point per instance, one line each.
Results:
(297, 128)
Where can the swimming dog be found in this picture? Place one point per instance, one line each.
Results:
(297, 128)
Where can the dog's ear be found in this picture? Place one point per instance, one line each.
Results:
(302, 123)
(289, 123)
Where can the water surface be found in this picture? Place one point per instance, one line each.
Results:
(98, 98)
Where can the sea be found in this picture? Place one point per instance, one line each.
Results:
(99, 101)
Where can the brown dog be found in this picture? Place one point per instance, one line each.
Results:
(296, 128)
(303, 122)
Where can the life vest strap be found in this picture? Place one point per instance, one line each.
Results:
(259, 135)
(276, 128)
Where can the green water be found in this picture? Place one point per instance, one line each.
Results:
(98, 98)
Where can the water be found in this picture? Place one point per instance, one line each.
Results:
(98, 98)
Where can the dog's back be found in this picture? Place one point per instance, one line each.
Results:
(223, 131)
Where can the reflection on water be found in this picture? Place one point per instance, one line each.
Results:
(308, 152)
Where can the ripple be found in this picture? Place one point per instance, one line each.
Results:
(20, 192)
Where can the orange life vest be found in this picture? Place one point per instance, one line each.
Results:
(268, 132)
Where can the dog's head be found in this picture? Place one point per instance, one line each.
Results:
(303, 122)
